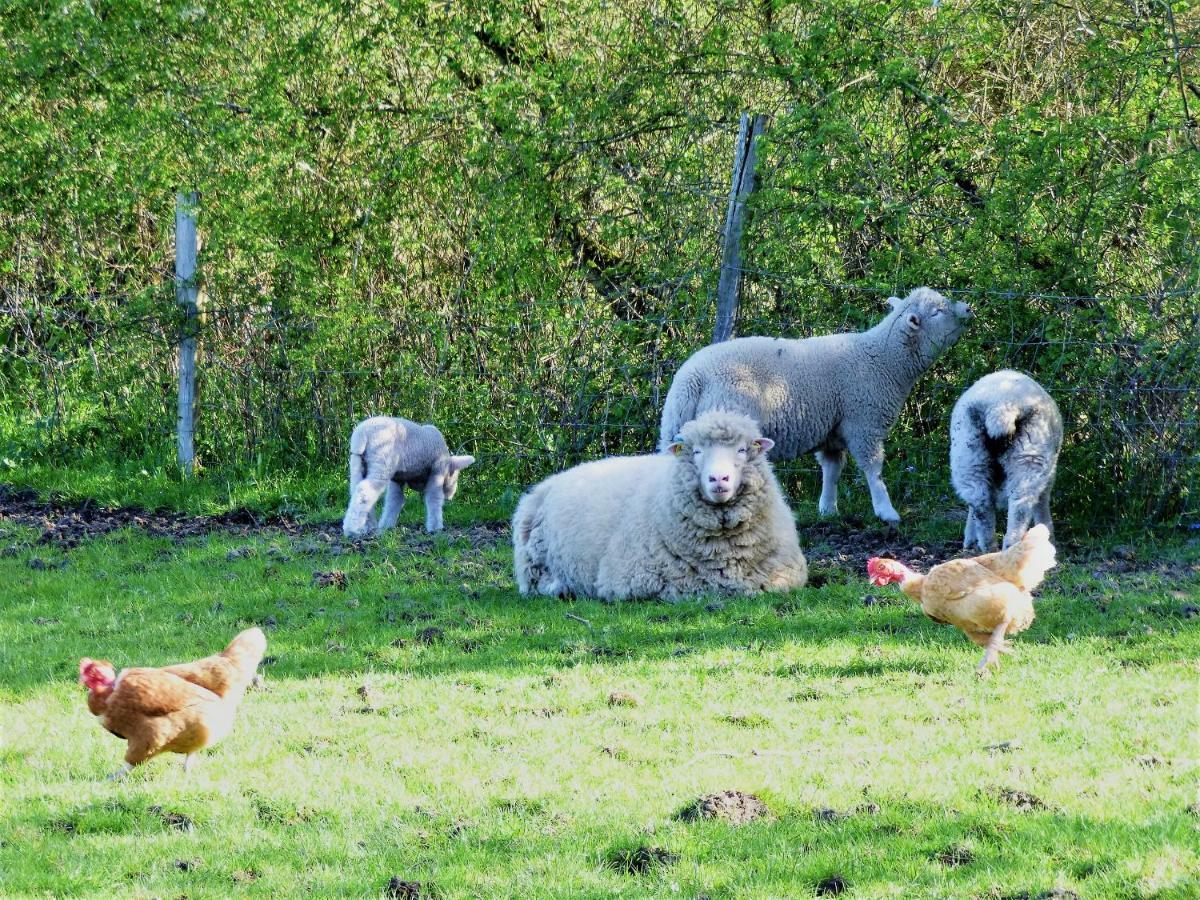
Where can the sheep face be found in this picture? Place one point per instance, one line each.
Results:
(929, 321)
(449, 474)
(719, 457)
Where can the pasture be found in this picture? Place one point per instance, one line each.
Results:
(421, 730)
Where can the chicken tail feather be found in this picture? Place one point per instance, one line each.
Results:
(1034, 556)
(246, 651)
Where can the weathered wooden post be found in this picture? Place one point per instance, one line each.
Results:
(186, 294)
(729, 285)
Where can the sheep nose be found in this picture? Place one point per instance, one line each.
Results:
(720, 479)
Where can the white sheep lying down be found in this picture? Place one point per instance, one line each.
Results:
(705, 516)
(1005, 436)
(388, 454)
(825, 394)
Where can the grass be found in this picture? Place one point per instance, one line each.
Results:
(487, 759)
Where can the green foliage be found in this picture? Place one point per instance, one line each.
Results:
(507, 220)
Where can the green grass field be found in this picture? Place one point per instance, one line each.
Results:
(428, 724)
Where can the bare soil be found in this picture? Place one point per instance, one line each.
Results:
(837, 551)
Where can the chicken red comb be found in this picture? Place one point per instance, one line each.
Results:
(96, 674)
(876, 566)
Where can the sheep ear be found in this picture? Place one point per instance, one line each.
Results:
(764, 443)
(912, 321)
(460, 462)
(676, 446)
(895, 302)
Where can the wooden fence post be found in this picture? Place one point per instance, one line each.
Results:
(729, 285)
(186, 294)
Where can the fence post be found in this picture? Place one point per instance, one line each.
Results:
(729, 285)
(186, 293)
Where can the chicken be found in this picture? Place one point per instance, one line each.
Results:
(988, 597)
(181, 709)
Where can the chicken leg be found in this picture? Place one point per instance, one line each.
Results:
(995, 646)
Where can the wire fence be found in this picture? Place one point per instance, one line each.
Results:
(579, 382)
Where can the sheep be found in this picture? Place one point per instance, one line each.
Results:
(1005, 435)
(827, 394)
(388, 454)
(706, 516)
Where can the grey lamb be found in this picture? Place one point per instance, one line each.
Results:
(825, 394)
(1005, 436)
(388, 454)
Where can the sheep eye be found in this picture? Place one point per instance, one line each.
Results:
(741, 449)
(696, 452)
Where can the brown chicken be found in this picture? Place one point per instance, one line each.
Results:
(178, 709)
(988, 597)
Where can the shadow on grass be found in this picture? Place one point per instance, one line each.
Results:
(434, 607)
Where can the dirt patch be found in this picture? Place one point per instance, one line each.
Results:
(174, 820)
(399, 889)
(67, 525)
(335, 579)
(624, 698)
(1021, 800)
(641, 860)
(430, 636)
(831, 886)
(734, 807)
(953, 857)
(845, 546)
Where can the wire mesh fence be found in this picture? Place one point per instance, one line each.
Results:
(569, 381)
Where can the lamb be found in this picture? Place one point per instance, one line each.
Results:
(825, 394)
(387, 454)
(1005, 435)
(706, 516)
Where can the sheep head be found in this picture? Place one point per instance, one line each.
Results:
(720, 446)
(447, 472)
(928, 322)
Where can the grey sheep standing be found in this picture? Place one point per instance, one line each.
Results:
(826, 394)
(389, 454)
(1005, 436)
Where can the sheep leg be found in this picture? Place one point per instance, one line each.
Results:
(995, 646)
(831, 462)
(433, 508)
(392, 504)
(983, 516)
(366, 494)
(1022, 504)
(869, 456)
(1041, 512)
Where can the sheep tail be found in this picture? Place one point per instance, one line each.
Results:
(527, 562)
(358, 461)
(526, 517)
(1000, 420)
